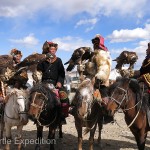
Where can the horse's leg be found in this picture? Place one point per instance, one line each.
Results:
(8, 136)
(78, 126)
(1, 129)
(18, 139)
(100, 126)
(51, 137)
(91, 138)
(39, 136)
(140, 138)
(60, 131)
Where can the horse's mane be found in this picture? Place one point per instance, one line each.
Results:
(42, 88)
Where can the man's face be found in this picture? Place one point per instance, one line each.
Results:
(52, 50)
(148, 51)
(18, 58)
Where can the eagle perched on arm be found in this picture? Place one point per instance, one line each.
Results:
(79, 55)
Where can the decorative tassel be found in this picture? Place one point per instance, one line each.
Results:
(3, 89)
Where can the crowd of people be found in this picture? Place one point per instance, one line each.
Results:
(53, 71)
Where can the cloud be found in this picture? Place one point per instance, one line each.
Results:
(28, 40)
(67, 8)
(70, 43)
(87, 22)
(126, 35)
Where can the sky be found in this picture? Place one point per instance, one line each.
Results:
(26, 25)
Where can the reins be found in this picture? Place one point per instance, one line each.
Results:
(138, 110)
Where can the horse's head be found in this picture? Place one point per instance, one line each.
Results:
(18, 103)
(118, 94)
(84, 98)
(36, 104)
(23, 102)
(42, 101)
(121, 93)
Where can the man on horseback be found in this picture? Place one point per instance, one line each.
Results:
(53, 73)
(103, 68)
(145, 71)
(17, 55)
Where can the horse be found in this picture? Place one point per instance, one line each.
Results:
(44, 110)
(126, 94)
(87, 113)
(15, 114)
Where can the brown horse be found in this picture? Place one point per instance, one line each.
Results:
(127, 95)
(44, 110)
(87, 113)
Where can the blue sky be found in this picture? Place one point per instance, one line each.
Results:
(26, 25)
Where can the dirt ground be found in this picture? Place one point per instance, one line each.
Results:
(114, 137)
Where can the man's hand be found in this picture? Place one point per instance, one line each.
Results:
(49, 56)
(58, 85)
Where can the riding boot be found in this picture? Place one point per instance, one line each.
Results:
(61, 116)
(64, 103)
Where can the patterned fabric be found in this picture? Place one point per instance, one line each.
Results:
(64, 101)
(147, 78)
(97, 95)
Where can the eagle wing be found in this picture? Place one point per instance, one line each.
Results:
(79, 55)
(31, 60)
(6, 61)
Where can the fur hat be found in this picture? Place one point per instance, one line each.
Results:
(15, 52)
(47, 45)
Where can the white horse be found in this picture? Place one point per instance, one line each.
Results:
(15, 114)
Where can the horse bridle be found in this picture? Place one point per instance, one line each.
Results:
(37, 106)
(125, 96)
(41, 109)
(21, 112)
